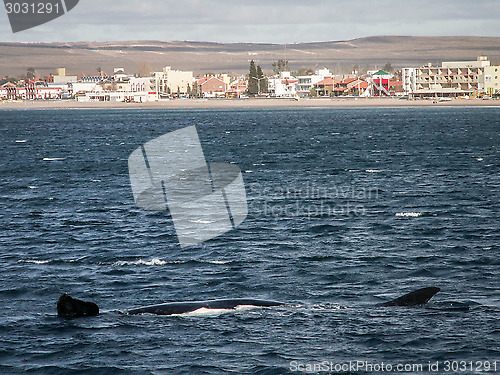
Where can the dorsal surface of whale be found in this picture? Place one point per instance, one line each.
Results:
(70, 307)
(415, 298)
(173, 308)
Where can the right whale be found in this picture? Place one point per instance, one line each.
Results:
(69, 307)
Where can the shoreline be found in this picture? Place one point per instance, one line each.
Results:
(249, 103)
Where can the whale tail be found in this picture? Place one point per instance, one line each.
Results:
(415, 298)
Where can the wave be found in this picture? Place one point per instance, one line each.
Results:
(152, 262)
(159, 262)
(409, 214)
(34, 261)
(49, 261)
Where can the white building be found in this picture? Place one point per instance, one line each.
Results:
(80, 88)
(121, 87)
(44, 92)
(306, 83)
(283, 86)
(452, 78)
(492, 80)
(60, 78)
(170, 81)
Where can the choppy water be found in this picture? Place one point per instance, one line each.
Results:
(348, 207)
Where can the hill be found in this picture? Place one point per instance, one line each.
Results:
(202, 57)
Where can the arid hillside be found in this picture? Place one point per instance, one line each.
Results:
(202, 57)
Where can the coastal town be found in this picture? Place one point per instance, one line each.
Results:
(475, 79)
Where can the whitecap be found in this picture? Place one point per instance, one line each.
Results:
(217, 262)
(34, 261)
(201, 221)
(53, 159)
(373, 171)
(409, 214)
(22, 141)
(152, 262)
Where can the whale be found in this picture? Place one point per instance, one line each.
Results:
(415, 298)
(174, 308)
(69, 307)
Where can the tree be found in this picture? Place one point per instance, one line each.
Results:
(262, 81)
(388, 67)
(31, 73)
(313, 93)
(280, 66)
(6, 79)
(194, 90)
(144, 69)
(305, 71)
(253, 87)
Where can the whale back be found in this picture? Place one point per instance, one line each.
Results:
(415, 298)
(173, 308)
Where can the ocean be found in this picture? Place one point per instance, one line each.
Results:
(347, 208)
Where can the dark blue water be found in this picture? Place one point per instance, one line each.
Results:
(348, 208)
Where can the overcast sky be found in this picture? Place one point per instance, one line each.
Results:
(271, 21)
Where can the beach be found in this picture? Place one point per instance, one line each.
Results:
(249, 103)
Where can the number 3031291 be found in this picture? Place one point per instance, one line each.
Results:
(32, 8)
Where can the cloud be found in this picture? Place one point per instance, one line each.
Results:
(274, 21)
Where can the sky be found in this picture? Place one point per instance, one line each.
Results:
(266, 21)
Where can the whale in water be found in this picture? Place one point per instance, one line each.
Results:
(415, 298)
(70, 307)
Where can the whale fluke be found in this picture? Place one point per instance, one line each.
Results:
(418, 297)
(69, 307)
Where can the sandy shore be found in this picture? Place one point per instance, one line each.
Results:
(251, 103)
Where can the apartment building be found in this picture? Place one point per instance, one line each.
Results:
(171, 81)
(492, 80)
(283, 85)
(306, 83)
(452, 78)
